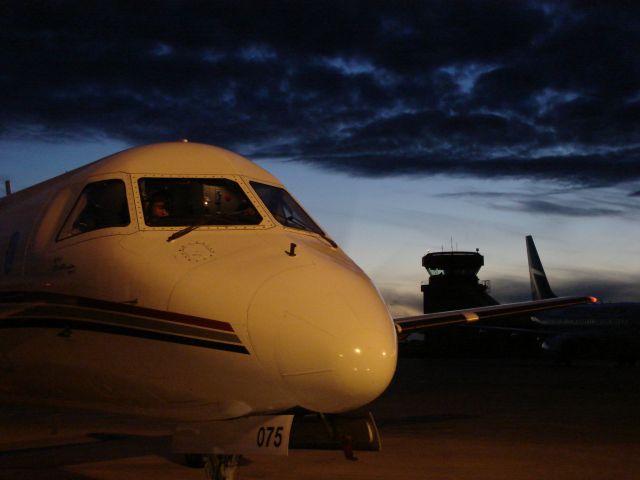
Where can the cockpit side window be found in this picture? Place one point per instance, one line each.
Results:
(100, 205)
(179, 202)
(284, 208)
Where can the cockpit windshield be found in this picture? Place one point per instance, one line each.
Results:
(195, 202)
(284, 208)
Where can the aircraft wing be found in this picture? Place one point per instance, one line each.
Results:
(478, 314)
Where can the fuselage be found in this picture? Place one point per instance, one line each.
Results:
(604, 330)
(598, 315)
(232, 302)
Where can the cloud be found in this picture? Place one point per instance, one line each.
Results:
(552, 208)
(489, 89)
(606, 286)
(567, 202)
(402, 303)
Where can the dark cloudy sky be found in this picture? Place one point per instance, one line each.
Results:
(527, 110)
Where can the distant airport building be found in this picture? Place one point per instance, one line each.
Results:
(453, 282)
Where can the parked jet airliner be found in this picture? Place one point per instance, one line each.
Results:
(181, 281)
(601, 329)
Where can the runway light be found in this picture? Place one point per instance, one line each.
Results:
(593, 299)
(357, 350)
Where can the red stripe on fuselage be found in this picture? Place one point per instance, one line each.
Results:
(61, 299)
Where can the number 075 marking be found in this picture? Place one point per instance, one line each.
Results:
(269, 437)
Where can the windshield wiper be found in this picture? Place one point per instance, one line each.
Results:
(180, 233)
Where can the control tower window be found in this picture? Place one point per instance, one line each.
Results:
(178, 202)
(284, 208)
(100, 205)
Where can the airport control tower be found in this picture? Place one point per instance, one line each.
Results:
(453, 281)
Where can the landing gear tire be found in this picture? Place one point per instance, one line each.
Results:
(221, 467)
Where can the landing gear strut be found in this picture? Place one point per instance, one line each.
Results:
(221, 467)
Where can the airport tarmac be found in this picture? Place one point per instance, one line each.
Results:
(440, 419)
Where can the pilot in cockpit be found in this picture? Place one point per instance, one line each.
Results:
(158, 207)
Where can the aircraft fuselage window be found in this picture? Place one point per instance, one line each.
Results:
(284, 208)
(100, 205)
(178, 202)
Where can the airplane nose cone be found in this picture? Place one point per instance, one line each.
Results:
(334, 346)
(335, 373)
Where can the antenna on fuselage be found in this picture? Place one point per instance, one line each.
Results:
(7, 187)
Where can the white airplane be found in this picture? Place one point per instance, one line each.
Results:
(182, 282)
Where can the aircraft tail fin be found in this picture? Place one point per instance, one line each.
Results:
(540, 288)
